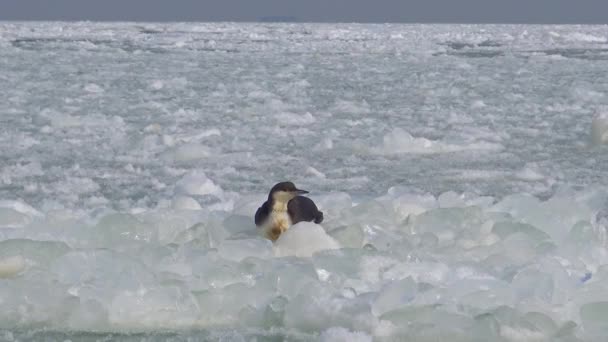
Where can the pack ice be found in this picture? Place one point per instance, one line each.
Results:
(461, 170)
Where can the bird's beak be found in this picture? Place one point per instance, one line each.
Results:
(301, 192)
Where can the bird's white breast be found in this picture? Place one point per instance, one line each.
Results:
(277, 222)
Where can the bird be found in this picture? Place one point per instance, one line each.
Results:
(284, 208)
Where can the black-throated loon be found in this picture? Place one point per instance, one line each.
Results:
(285, 208)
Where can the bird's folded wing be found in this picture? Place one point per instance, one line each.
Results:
(261, 214)
(303, 208)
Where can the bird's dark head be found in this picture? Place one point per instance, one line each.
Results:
(285, 191)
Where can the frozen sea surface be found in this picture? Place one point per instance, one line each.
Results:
(463, 185)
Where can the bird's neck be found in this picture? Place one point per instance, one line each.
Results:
(279, 206)
(279, 201)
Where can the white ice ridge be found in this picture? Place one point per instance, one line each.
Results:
(400, 141)
(454, 264)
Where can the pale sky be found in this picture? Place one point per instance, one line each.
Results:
(443, 11)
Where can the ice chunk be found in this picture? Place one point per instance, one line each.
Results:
(333, 203)
(185, 203)
(286, 118)
(9, 267)
(235, 304)
(197, 183)
(370, 212)
(585, 37)
(400, 141)
(517, 205)
(292, 276)
(238, 250)
(155, 128)
(10, 218)
(93, 88)
(427, 240)
(157, 85)
(465, 199)
(240, 225)
(446, 223)
(504, 229)
(521, 333)
(314, 172)
(273, 315)
(303, 240)
(247, 204)
(325, 144)
(316, 308)
(408, 204)
(119, 229)
(38, 253)
(429, 323)
(351, 236)
(106, 269)
(532, 283)
(540, 322)
(88, 315)
(216, 234)
(342, 263)
(166, 225)
(33, 302)
(434, 273)
(567, 276)
(157, 307)
(489, 298)
(188, 153)
(555, 216)
(394, 295)
(20, 207)
(209, 270)
(384, 239)
(519, 248)
(339, 334)
(530, 173)
(593, 317)
(582, 238)
(451, 199)
(174, 268)
(16, 214)
(203, 235)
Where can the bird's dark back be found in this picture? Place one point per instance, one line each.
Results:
(302, 208)
(262, 213)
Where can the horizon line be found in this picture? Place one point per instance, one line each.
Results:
(260, 21)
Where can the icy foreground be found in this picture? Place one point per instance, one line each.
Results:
(397, 266)
(460, 170)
